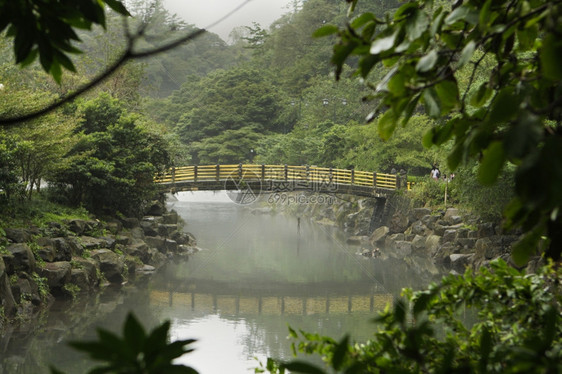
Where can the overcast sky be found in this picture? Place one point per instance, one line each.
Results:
(202, 13)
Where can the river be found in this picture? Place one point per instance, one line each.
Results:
(255, 275)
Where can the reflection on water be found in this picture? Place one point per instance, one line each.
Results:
(255, 275)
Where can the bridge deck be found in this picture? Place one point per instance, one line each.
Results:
(279, 178)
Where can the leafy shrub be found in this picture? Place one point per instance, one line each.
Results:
(498, 320)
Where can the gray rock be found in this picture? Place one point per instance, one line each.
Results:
(122, 240)
(450, 212)
(156, 242)
(378, 236)
(486, 230)
(449, 236)
(111, 265)
(77, 226)
(91, 267)
(402, 249)
(418, 243)
(399, 223)
(419, 213)
(81, 278)
(137, 233)
(171, 246)
(149, 228)
(18, 235)
(63, 252)
(89, 243)
(57, 273)
(467, 243)
(459, 262)
(432, 243)
(430, 220)
(24, 260)
(419, 228)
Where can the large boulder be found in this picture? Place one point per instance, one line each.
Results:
(57, 273)
(24, 260)
(25, 288)
(459, 262)
(149, 228)
(90, 243)
(166, 231)
(184, 238)
(378, 236)
(46, 249)
(18, 235)
(111, 265)
(138, 249)
(81, 278)
(63, 251)
(90, 267)
(421, 212)
(399, 223)
(432, 243)
(449, 236)
(402, 249)
(156, 242)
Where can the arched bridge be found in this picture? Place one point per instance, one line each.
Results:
(279, 178)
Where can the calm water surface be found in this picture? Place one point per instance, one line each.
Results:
(256, 275)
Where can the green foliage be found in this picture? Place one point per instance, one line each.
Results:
(42, 284)
(112, 167)
(10, 186)
(431, 193)
(71, 289)
(136, 351)
(488, 201)
(28, 23)
(497, 320)
(490, 69)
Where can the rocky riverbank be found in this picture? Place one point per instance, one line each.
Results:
(440, 240)
(38, 265)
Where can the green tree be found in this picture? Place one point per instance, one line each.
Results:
(490, 72)
(111, 170)
(9, 181)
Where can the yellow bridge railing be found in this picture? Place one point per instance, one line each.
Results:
(280, 173)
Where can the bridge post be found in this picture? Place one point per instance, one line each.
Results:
(331, 175)
(307, 173)
(173, 174)
(352, 176)
(286, 172)
(262, 173)
(375, 180)
(195, 173)
(240, 171)
(397, 181)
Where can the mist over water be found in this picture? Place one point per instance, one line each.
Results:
(255, 275)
